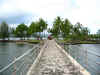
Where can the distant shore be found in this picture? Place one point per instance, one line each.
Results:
(67, 42)
(22, 41)
(12, 41)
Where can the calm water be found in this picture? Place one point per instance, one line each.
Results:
(90, 59)
(88, 55)
(8, 52)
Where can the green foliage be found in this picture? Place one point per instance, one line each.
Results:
(69, 31)
(61, 28)
(56, 27)
(94, 36)
(80, 32)
(21, 30)
(12, 30)
(76, 33)
(66, 28)
(4, 30)
(32, 28)
(42, 25)
(33, 41)
(98, 32)
(38, 26)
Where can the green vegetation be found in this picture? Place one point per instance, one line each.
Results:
(4, 30)
(33, 41)
(37, 27)
(80, 32)
(21, 31)
(78, 42)
(56, 27)
(61, 29)
(67, 31)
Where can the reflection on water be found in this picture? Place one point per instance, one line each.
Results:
(88, 55)
(8, 52)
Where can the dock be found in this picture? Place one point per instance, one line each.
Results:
(53, 60)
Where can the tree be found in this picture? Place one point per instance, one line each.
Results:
(80, 32)
(66, 28)
(21, 31)
(76, 34)
(98, 34)
(33, 29)
(56, 27)
(85, 32)
(4, 30)
(28, 33)
(12, 30)
(41, 25)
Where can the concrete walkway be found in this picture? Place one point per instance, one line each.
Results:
(54, 62)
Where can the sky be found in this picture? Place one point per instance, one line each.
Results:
(87, 12)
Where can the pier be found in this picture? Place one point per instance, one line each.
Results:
(53, 60)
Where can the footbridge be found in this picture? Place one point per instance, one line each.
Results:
(53, 60)
(50, 59)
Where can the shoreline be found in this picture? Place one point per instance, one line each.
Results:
(22, 41)
(75, 42)
(13, 40)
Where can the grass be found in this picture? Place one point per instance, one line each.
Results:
(24, 41)
(88, 42)
(34, 41)
(78, 42)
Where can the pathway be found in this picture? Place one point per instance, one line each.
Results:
(54, 62)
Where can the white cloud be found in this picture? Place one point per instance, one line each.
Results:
(87, 14)
(43, 8)
(84, 11)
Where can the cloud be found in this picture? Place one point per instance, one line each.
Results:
(16, 18)
(43, 8)
(87, 12)
(84, 11)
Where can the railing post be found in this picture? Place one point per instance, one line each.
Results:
(78, 58)
(14, 73)
(86, 58)
(21, 73)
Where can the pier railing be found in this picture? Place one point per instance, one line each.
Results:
(21, 64)
(88, 59)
